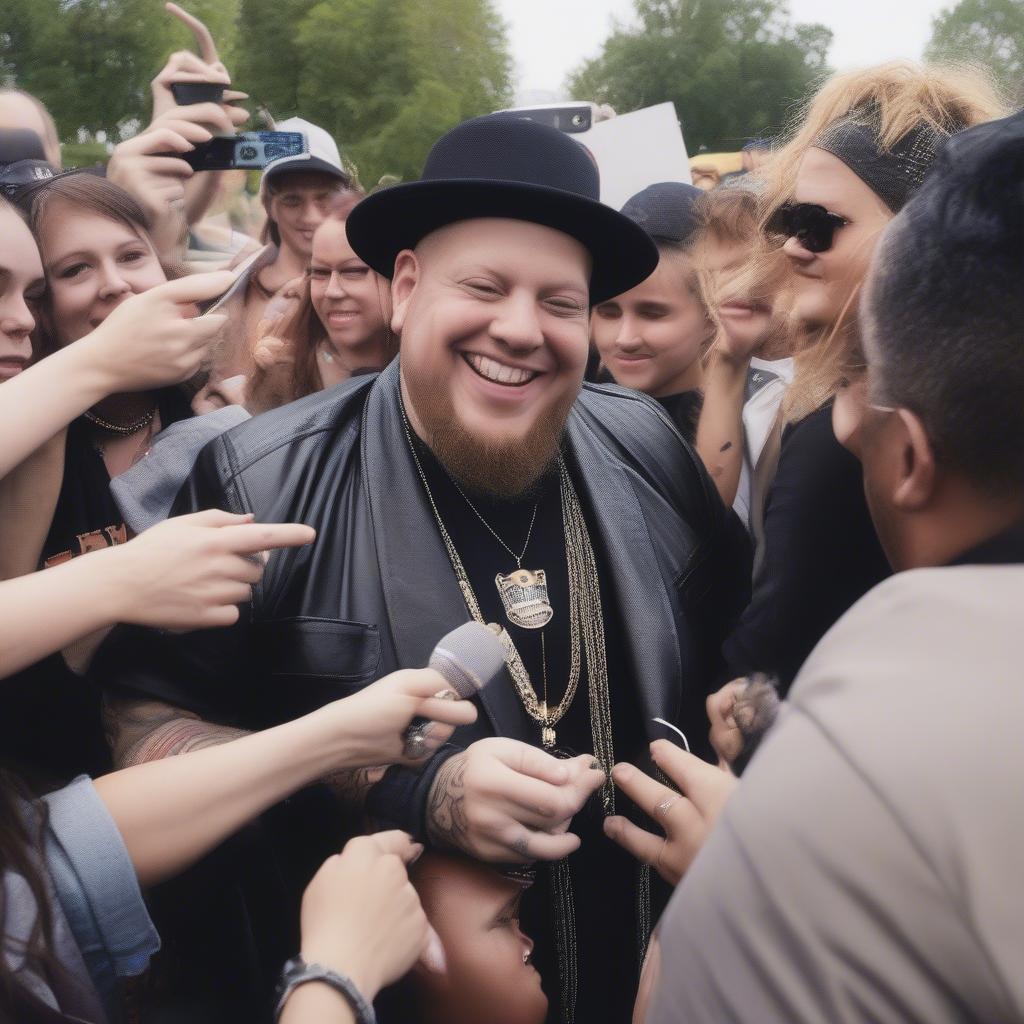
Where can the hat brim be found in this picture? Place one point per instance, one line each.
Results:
(302, 165)
(400, 216)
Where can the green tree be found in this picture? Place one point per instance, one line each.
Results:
(268, 58)
(986, 32)
(733, 68)
(91, 61)
(387, 77)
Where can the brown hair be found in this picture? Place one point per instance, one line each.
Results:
(901, 94)
(97, 195)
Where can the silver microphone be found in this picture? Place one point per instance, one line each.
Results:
(469, 658)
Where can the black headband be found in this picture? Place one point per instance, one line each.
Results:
(893, 173)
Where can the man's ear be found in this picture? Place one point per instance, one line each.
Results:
(403, 284)
(916, 483)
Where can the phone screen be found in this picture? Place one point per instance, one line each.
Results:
(246, 151)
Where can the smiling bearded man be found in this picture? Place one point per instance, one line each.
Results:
(476, 477)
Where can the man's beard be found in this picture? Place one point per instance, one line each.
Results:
(508, 469)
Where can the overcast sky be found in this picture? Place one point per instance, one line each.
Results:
(551, 37)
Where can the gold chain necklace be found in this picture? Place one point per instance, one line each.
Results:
(539, 710)
(125, 429)
(524, 592)
(585, 607)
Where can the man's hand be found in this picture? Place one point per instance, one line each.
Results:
(687, 817)
(505, 801)
(726, 738)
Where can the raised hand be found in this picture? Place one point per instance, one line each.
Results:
(505, 801)
(687, 816)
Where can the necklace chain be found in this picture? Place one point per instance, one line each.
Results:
(585, 608)
(492, 531)
(124, 429)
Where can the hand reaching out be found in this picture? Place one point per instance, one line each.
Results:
(192, 572)
(360, 914)
(687, 816)
(153, 339)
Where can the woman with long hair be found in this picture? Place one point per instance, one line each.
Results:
(340, 328)
(863, 146)
(96, 254)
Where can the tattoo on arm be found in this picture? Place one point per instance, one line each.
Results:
(352, 785)
(446, 809)
(149, 730)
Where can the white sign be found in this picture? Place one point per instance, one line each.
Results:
(636, 150)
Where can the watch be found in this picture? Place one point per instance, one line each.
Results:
(297, 972)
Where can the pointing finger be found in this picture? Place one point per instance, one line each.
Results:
(251, 538)
(203, 37)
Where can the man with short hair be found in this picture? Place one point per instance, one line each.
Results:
(475, 479)
(867, 868)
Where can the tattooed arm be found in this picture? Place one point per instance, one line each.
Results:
(501, 800)
(148, 730)
(720, 439)
(171, 810)
(139, 731)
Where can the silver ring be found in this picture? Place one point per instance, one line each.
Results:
(415, 737)
(665, 806)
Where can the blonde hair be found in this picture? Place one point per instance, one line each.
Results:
(900, 95)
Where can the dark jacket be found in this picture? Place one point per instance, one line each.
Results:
(376, 590)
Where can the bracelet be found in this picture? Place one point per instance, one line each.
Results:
(297, 972)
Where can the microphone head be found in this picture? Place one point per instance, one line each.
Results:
(468, 657)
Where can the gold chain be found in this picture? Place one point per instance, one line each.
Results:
(123, 429)
(539, 710)
(585, 607)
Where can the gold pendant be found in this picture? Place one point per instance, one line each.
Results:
(525, 596)
(547, 737)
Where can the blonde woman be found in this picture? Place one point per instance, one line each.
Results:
(864, 146)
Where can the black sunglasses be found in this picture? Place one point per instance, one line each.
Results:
(811, 225)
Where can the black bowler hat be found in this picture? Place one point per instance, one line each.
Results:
(502, 166)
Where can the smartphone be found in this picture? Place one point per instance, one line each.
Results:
(246, 151)
(573, 118)
(187, 93)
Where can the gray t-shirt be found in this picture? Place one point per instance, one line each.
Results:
(868, 868)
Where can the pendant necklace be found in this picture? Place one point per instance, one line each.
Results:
(523, 592)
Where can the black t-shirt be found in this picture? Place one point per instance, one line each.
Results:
(51, 727)
(684, 408)
(604, 876)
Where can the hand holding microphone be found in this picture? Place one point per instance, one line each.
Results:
(406, 716)
(468, 658)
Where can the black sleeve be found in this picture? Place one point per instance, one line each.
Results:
(821, 554)
(203, 671)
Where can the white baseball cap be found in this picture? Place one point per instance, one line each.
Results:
(322, 156)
